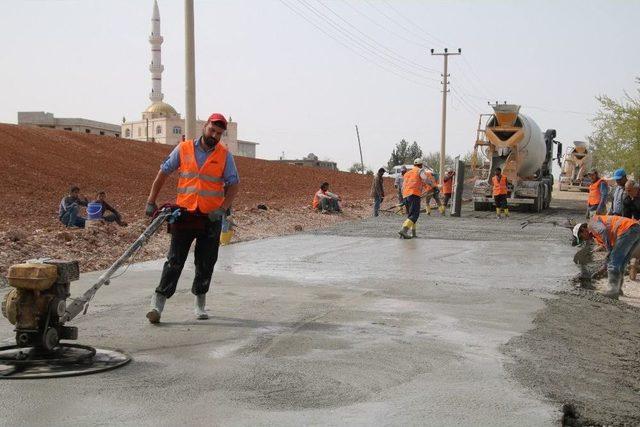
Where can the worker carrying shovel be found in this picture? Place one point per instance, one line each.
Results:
(207, 184)
(620, 236)
(415, 180)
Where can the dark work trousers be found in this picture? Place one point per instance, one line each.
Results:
(206, 255)
(447, 198)
(413, 204)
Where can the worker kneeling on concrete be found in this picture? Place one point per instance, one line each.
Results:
(620, 236)
(414, 181)
(207, 184)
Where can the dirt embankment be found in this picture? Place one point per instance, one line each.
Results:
(38, 165)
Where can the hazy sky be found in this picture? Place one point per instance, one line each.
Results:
(297, 75)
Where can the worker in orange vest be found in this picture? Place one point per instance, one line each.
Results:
(207, 185)
(500, 192)
(447, 186)
(414, 183)
(598, 192)
(620, 236)
(432, 191)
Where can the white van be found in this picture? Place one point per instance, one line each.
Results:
(395, 171)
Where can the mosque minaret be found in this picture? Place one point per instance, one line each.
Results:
(156, 67)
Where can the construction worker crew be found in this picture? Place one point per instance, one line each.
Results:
(207, 184)
(500, 192)
(618, 192)
(447, 186)
(415, 181)
(431, 190)
(620, 236)
(598, 192)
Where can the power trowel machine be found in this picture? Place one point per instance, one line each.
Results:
(40, 305)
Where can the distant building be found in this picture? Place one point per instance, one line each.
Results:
(160, 122)
(47, 120)
(311, 160)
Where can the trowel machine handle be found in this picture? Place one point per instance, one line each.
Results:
(167, 213)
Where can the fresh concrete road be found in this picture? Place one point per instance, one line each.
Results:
(346, 326)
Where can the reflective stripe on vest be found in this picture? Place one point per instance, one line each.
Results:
(616, 226)
(201, 189)
(500, 187)
(412, 183)
(594, 193)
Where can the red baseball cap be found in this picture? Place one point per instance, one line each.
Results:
(217, 117)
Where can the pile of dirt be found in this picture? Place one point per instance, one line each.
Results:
(38, 165)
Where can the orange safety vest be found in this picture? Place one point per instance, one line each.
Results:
(594, 193)
(447, 186)
(428, 188)
(499, 187)
(616, 227)
(316, 199)
(412, 184)
(201, 189)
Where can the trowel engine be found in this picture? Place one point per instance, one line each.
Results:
(38, 302)
(37, 305)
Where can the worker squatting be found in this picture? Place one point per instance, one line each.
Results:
(616, 229)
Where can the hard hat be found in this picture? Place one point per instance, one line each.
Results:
(417, 161)
(619, 174)
(217, 117)
(576, 231)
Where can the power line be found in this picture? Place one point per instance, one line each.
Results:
(353, 50)
(372, 49)
(387, 29)
(381, 12)
(393, 53)
(433, 37)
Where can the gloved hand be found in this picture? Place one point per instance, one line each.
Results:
(150, 209)
(216, 215)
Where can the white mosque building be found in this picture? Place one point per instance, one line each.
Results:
(160, 122)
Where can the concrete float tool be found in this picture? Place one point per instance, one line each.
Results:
(38, 308)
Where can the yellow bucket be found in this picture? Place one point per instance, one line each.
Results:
(225, 237)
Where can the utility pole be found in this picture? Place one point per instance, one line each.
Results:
(190, 72)
(360, 147)
(445, 83)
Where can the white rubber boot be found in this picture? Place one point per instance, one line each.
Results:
(200, 312)
(157, 305)
(613, 291)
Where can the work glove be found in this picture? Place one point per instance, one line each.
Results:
(150, 209)
(216, 215)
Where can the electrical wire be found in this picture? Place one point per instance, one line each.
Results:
(362, 44)
(433, 37)
(352, 49)
(406, 60)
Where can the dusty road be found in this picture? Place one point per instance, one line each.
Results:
(351, 325)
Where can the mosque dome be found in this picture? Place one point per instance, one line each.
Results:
(161, 109)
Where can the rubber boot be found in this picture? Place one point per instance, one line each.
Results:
(157, 305)
(614, 285)
(428, 210)
(413, 230)
(406, 226)
(198, 307)
(498, 213)
(506, 212)
(441, 209)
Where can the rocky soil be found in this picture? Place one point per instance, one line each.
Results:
(38, 165)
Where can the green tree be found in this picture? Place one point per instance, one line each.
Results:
(357, 168)
(398, 155)
(615, 141)
(432, 161)
(413, 152)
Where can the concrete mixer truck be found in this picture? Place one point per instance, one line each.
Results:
(576, 164)
(513, 142)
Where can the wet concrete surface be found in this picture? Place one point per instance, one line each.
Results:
(350, 325)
